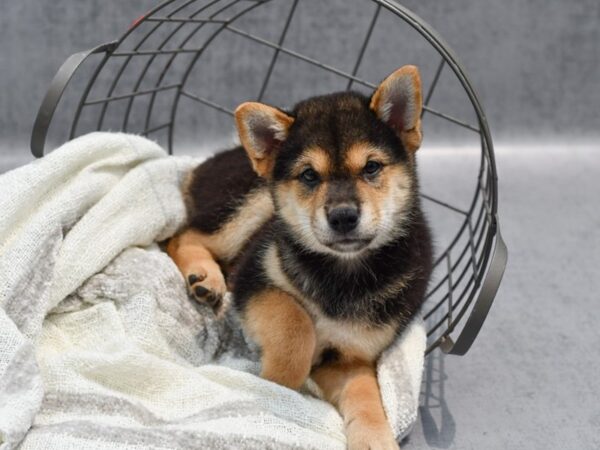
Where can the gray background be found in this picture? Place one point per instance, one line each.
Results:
(535, 63)
(531, 379)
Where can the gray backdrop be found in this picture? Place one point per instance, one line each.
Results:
(535, 63)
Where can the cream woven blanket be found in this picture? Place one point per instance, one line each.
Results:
(100, 346)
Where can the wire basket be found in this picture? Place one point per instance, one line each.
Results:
(179, 71)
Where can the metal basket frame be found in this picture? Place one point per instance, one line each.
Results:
(464, 309)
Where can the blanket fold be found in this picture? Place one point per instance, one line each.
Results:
(100, 346)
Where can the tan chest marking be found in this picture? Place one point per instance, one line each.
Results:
(256, 209)
(351, 339)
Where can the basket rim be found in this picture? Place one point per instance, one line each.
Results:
(490, 265)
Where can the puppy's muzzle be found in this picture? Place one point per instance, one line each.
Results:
(343, 219)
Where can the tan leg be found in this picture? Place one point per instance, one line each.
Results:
(352, 388)
(202, 273)
(285, 334)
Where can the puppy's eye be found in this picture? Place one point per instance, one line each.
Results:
(372, 167)
(309, 176)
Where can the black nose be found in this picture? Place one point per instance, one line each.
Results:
(343, 219)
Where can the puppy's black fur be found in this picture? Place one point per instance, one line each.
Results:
(340, 288)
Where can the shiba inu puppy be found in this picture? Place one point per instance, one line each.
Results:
(315, 223)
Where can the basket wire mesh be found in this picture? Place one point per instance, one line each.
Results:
(142, 79)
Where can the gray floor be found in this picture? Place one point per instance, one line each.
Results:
(532, 379)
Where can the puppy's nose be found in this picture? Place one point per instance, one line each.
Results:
(343, 219)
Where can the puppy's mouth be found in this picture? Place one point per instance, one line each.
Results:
(349, 245)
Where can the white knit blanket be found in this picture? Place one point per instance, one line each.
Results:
(100, 346)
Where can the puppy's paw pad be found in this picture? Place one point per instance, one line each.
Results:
(195, 278)
(203, 294)
(200, 291)
(207, 287)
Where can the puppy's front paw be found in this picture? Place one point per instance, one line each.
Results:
(362, 437)
(206, 284)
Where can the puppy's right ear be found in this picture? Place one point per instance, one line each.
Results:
(262, 129)
(398, 102)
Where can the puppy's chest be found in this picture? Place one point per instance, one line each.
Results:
(349, 338)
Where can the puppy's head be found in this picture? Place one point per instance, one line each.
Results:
(341, 165)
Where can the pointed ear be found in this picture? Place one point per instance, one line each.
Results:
(398, 102)
(262, 129)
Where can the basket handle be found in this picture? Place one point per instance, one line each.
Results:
(55, 92)
(483, 304)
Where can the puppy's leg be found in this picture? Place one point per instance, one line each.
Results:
(286, 335)
(352, 388)
(202, 273)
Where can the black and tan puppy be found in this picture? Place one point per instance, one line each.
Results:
(317, 223)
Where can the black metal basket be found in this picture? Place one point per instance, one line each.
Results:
(154, 79)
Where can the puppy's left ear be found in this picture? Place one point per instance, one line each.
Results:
(398, 102)
(262, 129)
